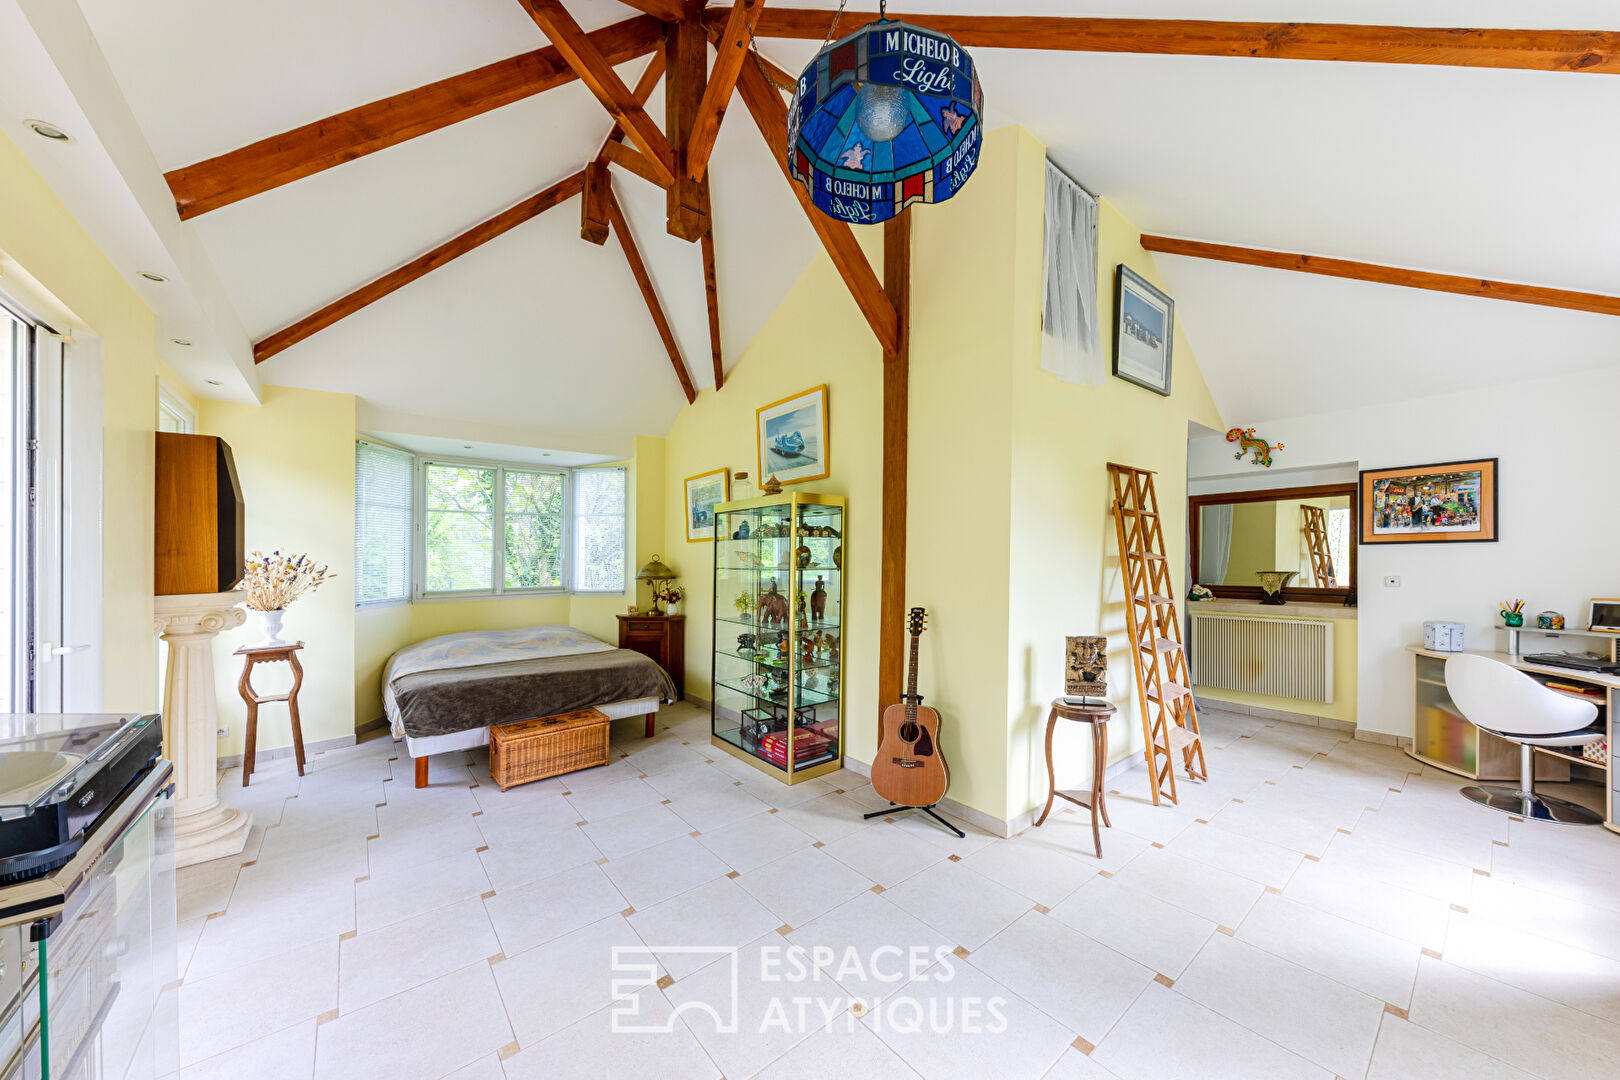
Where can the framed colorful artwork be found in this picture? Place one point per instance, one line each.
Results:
(792, 436)
(1144, 328)
(703, 491)
(1452, 502)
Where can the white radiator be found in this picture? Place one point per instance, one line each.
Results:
(1291, 658)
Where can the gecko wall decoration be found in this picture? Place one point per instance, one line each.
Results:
(1246, 441)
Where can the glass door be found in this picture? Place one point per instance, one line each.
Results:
(16, 355)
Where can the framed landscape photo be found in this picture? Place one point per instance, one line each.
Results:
(1144, 328)
(792, 437)
(1451, 502)
(703, 491)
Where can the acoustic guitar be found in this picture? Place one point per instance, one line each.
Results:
(910, 766)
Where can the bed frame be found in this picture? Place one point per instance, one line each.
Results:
(423, 748)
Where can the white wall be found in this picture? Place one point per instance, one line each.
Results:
(1558, 513)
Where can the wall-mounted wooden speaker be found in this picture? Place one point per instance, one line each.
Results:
(199, 516)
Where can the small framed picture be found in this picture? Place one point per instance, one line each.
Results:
(1451, 502)
(703, 491)
(792, 436)
(632, 610)
(1144, 328)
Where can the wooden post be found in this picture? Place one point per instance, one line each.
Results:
(686, 75)
(896, 407)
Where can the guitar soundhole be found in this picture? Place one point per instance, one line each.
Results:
(916, 736)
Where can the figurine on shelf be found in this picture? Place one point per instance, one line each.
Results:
(818, 601)
(745, 643)
(743, 603)
(807, 650)
(772, 486)
(799, 607)
(830, 642)
(838, 556)
(772, 606)
(742, 531)
(782, 648)
(803, 556)
(753, 683)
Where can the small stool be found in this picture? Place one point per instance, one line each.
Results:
(1096, 713)
(269, 654)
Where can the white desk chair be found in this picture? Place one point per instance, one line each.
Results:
(1511, 705)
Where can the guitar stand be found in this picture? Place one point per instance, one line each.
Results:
(895, 808)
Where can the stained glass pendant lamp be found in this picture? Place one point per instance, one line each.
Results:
(883, 118)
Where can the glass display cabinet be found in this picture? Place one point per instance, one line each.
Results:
(778, 633)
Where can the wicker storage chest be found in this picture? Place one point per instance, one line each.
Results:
(535, 749)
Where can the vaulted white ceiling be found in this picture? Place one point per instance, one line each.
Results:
(1499, 174)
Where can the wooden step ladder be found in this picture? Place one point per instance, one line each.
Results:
(1163, 685)
(1316, 536)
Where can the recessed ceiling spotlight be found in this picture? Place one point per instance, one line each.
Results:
(149, 276)
(466, 446)
(545, 453)
(180, 341)
(47, 130)
(213, 382)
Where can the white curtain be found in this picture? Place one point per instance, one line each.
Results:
(1071, 344)
(1214, 543)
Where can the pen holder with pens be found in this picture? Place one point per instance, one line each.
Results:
(1512, 618)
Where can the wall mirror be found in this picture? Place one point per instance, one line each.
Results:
(1308, 530)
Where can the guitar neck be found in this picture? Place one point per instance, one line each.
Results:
(911, 680)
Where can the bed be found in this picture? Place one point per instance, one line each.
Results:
(442, 694)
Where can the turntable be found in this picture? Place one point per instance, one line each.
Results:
(59, 774)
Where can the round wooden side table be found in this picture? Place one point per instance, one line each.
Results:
(1095, 712)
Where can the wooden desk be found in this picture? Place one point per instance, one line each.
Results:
(1494, 755)
(275, 654)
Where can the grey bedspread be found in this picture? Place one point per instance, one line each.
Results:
(448, 700)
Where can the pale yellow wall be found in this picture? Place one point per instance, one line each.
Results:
(1254, 542)
(1343, 705)
(1066, 577)
(295, 459)
(816, 335)
(378, 633)
(44, 238)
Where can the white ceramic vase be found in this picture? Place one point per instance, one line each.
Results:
(270, 626)
(671, 606)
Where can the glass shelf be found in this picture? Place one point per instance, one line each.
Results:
(806, 697)
(776, 627)
(775, 662)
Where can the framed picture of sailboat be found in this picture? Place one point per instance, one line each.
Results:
(792, 434)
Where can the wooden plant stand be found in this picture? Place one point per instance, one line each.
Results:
(274, 654)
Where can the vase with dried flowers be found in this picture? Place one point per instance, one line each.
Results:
(275, 580)
(669, 594)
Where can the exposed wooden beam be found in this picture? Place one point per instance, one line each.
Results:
(1535, 50)
(630, 160)
(770, 116)
(896, 450)
(593, 208)
(312, 148)
(731, 46)
(645, 85)
(596, 72)
(483, 233)
(711, 289)
(1388, 275)
(686, 48)
(638, 269)
(667, 10)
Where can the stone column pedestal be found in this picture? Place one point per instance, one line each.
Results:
(204, 828)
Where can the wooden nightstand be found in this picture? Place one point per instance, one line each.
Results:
(660, 637)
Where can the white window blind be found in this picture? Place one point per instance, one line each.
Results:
(600, 512)
(1071, 338)
(382, 524)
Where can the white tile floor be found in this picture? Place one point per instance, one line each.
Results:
(1319, 908)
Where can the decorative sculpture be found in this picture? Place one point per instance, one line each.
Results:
(1247, 442)
(1086, 671)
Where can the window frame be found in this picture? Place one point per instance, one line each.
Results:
(573, 518)
(406, 596)
(498, 587)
